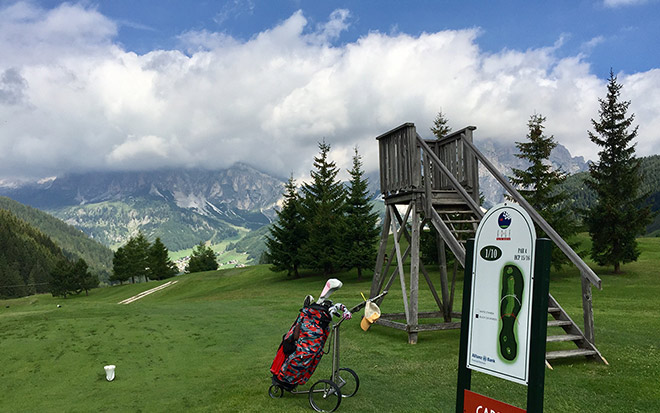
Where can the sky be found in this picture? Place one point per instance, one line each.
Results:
(138, 85)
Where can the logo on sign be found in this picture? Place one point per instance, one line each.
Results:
(504, 220)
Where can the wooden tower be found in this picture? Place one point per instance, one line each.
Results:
(436, 182)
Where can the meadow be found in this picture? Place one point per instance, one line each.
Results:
(206, 343)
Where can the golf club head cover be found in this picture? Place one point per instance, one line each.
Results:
(331, 286)
(341, 308)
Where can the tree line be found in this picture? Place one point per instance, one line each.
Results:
(621, 210)
(324, 225)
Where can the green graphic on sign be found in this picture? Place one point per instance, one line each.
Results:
(510, 303)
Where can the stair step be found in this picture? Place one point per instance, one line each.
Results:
(564, 337)
(553, 355)
(553, 310)
(461, 221)
(559, 323)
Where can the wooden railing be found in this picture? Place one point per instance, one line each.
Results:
(452, 164)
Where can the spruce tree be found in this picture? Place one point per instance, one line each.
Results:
(137, 257)
(160, 264)
(287, 234)
(619, 215)
(539, 184)
(62, 281)
(361, 231)
(323, 213)
(82, 278)
(120, 267)
(202, 259)
(440, 128)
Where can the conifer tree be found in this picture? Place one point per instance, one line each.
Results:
(323, 212)
(82, 278)
(539, 184)
(619, 215)
(120, 268)
(137, 257)
(62, 282)
(287, 234)
(440, 128)
(160, 264)
(361, 231)
(202, 259)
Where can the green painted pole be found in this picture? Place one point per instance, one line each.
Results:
(539, 327)
(465, 374)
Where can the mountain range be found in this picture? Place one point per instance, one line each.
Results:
(184, 207)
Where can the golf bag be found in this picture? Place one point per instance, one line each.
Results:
(302, 347)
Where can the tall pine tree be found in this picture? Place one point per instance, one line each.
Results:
(361, 231)
(539, 184)
(287, 234)
(160, 264)
(619, 215)
(323, 212)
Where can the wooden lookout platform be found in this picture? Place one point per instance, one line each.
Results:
(436, 183)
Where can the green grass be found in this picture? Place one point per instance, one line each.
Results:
(206, 344)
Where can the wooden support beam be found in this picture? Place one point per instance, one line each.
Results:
(414, 272)
(442, 258)
(400, 264)
(377, 281)
(587, 309)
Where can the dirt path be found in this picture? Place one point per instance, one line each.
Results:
(146, 293)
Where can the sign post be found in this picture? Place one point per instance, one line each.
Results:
(505, 303)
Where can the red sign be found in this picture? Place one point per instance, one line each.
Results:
(476, 403)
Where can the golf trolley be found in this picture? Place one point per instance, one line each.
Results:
(326, 395)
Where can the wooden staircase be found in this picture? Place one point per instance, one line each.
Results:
(564, 330)
(438, 182)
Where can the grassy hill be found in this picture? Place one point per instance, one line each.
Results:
(206, 344)
(73, 242)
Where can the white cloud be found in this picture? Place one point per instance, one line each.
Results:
(622, 3)
(71, 99)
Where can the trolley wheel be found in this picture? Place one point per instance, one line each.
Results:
(324, 396)
(275, 391)
(348, 382)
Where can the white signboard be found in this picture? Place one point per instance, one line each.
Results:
(501, 307)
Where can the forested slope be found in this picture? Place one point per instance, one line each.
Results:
(27, 256)
(73, 242)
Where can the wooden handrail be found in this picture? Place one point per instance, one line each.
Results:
(538, 219)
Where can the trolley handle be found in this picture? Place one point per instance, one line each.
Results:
(363, 303)
(360, 307)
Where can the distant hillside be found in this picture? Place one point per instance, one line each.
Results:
(253, 244)
(182, 207)
(584, 197)
(73, 242)
(27, 256)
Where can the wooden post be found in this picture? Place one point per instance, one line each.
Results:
(539, 326)
(442, 258)
(587, 309)
(378, 271)
(414, 274)
(399, 260)
(464, 373)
